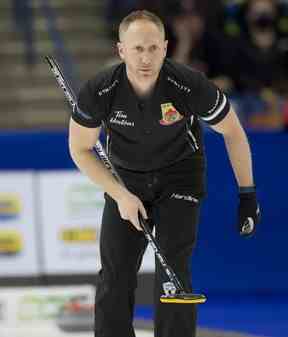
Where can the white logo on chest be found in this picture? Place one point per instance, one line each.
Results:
(120, 118)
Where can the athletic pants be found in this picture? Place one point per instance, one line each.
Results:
(172, 208)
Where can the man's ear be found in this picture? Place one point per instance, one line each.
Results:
(120, 50)
(166, 47)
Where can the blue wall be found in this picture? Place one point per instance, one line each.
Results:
(37, 150)
(223, 262)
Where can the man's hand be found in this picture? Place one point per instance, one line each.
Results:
(248, 213)
(130, 206)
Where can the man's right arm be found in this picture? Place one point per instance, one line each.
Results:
(81, 142)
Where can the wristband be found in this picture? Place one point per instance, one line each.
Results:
(247, 189)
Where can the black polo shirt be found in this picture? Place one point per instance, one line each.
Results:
(145, 135)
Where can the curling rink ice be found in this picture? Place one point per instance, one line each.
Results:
(34, 312)
(52, 331)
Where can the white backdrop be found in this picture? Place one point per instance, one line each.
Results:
(52, 221)
(72, 205)
(18, 235)
(70, 209)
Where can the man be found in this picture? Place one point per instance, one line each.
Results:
(150, 108)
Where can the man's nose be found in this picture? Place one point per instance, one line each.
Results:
(146, 59)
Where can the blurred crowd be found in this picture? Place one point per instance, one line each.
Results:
(23, 20)
(241, 45)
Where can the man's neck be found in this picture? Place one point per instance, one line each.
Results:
(142, 88)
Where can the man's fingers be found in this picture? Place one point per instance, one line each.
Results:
(132, 219)
(123, 215)
(135, 222)
(130, 207)
(142, 211)
(247, 227)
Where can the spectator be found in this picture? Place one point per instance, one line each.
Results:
(262, 53)
(260, 63)
(235, 22)
(192, 43)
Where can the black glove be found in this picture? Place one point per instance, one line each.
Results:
(248, 212)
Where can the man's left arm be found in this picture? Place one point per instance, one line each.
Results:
(239, 153)
(211, 105)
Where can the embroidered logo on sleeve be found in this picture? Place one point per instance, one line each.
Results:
(180, 86)
(108, 89)
(169, 114)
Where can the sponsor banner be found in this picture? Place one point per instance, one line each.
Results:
(23, 306)
(17, 225)
(71, 210)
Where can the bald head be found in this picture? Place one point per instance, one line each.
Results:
(140, 16)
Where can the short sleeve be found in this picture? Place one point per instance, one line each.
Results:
(87, 112)
(209, 102)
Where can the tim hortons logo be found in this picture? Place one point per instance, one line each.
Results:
(120, 118)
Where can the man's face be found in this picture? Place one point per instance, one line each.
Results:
(143, 49)
(261, 14)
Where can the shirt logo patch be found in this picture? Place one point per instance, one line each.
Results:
(169, 114)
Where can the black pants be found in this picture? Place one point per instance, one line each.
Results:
(169, 200)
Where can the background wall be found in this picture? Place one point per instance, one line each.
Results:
(223, 262)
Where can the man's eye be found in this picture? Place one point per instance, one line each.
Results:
(139, 49)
